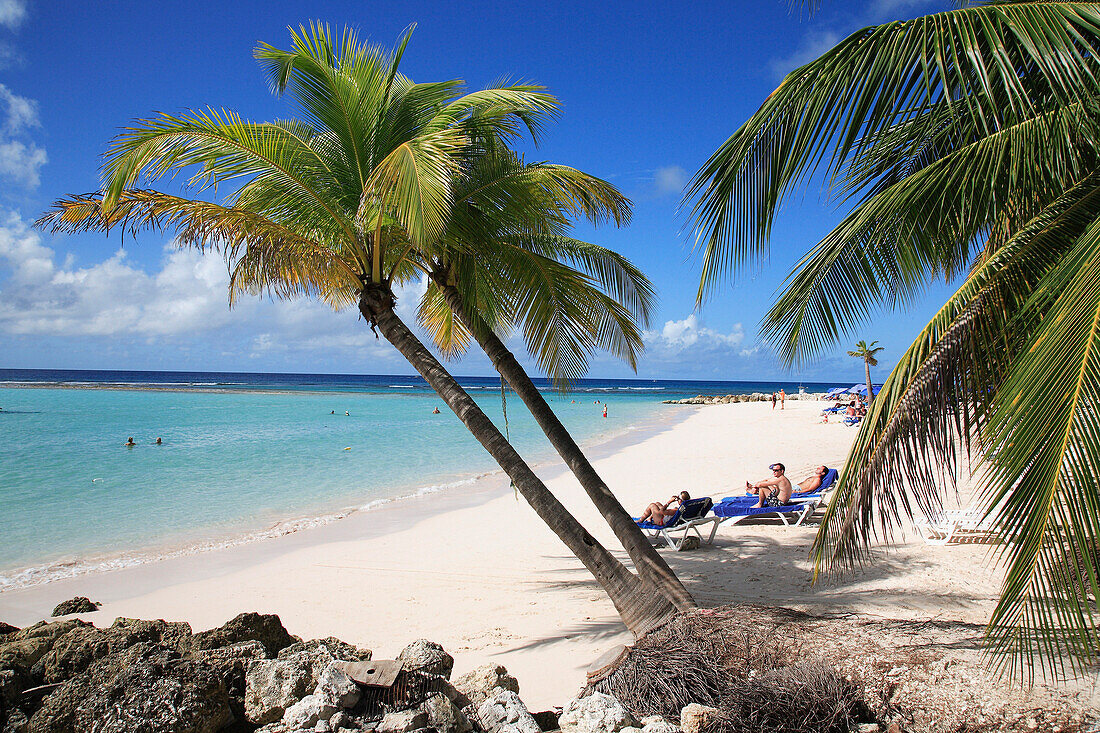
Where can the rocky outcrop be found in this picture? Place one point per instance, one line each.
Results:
(478, 684)
(338, 649)
(596, 713)
(694, 718)
(426, 656)
(274, 685)
(6, 629)
(148, 688)
(444, 715)
(80, 604)
(719, 399)
(262, 627)
(504, 712)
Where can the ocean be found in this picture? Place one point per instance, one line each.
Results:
(245, 456)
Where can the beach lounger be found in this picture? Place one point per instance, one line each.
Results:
(962, 525)
(691, 515)
(817, 494)
(852, 420)
(735, 512)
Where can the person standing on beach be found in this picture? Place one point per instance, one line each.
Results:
(782, 399)
(773, 400)
(605, 410)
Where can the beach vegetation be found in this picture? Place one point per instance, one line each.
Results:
(963, 145)
(368, 189)
(867, 353)
(509, 264)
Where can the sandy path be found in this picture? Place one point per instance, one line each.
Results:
(479, 573)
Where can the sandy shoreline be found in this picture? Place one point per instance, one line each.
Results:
(476, 571)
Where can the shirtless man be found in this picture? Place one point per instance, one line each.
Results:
(658, 513)
(813, 483)
(774, 491)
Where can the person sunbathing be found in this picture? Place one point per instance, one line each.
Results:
(659, 513)
(813, 483)
(774, 491)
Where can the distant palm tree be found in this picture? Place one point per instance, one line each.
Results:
(867, 353)
(967, 144)
(343, 206)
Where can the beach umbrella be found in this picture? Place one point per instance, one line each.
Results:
(836, 392)
(861, 388)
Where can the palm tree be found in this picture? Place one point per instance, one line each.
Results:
(966, 144)
(342, 206)
(867, 353)
(502, 268)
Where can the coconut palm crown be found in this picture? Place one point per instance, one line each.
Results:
(371, 188)
(964, 145)
(867, 353)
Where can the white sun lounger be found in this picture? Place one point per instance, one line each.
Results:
(960, 525)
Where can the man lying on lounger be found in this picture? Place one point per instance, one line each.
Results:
(779, 488)
(659, 513)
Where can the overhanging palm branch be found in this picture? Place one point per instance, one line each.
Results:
(966, 142)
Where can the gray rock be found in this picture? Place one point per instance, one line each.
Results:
(147, 688)
(6, 629)
(694, 717)
(307, 712)
(242, 654)
(547, 719)
(444, 716)
(273, 685)
(80, 604)
(479, 683)
(403, 721)
(657, 724)
(504, 712)
(336, 688)
(76, 650)
(426, 656)
(264, 628)
(597, 713)
(21, 650)
(340, 720)
(338, 649)
(16, 722)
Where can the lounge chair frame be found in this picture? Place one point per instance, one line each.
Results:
(958, 526)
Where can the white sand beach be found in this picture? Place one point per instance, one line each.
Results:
(476, 570)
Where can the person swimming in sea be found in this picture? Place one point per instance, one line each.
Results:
(158, 441)
(347, 413)
(435, 411)
(130, 442)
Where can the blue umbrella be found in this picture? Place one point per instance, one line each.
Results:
(862, 388)
(836, 392)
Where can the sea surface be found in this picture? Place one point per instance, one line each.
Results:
(246, 456)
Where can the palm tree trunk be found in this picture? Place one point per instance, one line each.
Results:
(867, 367)
(647, 561)
(639, 607)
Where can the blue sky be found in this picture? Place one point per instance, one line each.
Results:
(649, 90)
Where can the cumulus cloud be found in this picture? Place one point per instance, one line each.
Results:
(20, 158)
(12, 13)
(670, 179)
(677, 336)
(184, 297)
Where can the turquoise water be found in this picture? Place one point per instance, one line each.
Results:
(249, 455)
(231, 462)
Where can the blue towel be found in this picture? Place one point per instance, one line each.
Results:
(740, 510)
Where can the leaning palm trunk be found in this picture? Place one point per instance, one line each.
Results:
(640, 608)
(648, 562)
(870, 392)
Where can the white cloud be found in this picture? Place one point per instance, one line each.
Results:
(813, 44)
(20, 162)
(677, 336)
(22, 113)
(186, 297)
(20, 158)
(12, 13)
(670, 179)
